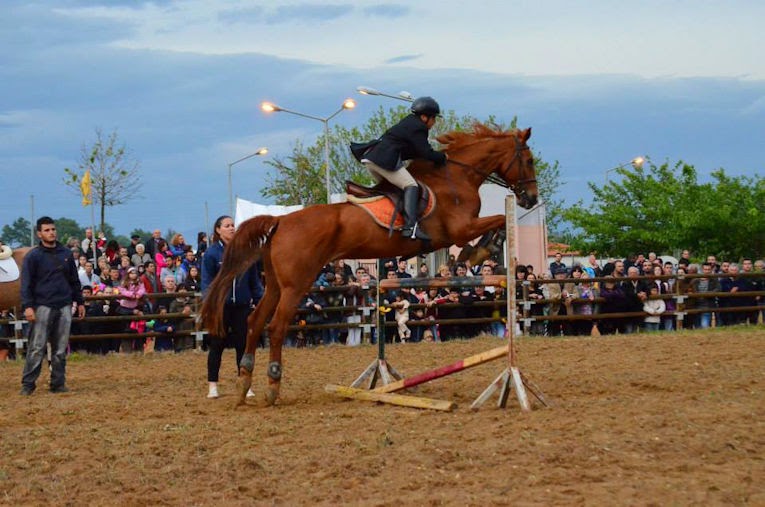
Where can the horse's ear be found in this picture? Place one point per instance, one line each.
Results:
(525, 134)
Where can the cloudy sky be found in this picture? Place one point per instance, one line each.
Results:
(181, 81)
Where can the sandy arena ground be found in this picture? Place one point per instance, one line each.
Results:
(663, 419)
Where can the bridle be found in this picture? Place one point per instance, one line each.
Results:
(501, 179)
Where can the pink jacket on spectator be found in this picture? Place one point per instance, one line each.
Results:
(133, 296)
(161, 261)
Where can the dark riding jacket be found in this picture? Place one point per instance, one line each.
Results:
(49, 278)
(406, 140)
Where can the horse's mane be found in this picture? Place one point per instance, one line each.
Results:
(496, 155)
(456, 139)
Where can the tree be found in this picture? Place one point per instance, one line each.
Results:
(298, 179)
(548, 182)
(664, 208)
(114, 176)
(67, 228)
(169, 234)
(17, 234)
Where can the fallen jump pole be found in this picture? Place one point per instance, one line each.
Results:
(443, 371)
(393, 399)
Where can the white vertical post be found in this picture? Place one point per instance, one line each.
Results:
(514, 377)
(511, 263)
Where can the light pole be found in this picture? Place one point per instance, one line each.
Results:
(636, 162)
(32, 221)
(261, 151)
(402, 95)
(269, 107)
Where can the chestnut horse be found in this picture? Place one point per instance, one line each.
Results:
(296, 246)
(10, 292)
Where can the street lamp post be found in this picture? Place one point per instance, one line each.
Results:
(269, 107)
(261, 151)
(636, 162)
(402, 95)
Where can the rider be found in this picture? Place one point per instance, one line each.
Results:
(389, 158)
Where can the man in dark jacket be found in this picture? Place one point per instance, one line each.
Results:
(49, 285)
(636, 292)
(407, 140)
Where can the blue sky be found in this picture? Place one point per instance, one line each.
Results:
(599, 83)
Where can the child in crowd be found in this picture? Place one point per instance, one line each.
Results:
(163, 325)
(401, 305)
(654, 308)
(132, 292)
(586, 294)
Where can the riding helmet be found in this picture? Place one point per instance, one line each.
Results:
(426, 105)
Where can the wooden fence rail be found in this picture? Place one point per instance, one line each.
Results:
(367, 323)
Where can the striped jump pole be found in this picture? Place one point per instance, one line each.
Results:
(443, 371)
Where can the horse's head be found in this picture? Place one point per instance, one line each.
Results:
(504, 154)
(519, 173)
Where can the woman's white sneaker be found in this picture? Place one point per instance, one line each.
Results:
(213, 392)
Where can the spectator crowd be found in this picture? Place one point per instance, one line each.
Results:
(159, 277)
(717, 292)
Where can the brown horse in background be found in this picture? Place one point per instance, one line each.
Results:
(295, 247)
(10, 292)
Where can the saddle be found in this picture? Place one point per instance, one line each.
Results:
(384, 202)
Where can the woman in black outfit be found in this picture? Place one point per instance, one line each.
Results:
(246, 292)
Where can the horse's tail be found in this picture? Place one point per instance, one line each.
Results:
(243, 250)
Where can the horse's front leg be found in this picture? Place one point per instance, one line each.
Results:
(476, 227)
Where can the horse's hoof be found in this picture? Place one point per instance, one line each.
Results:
(271, 396)
(243, 384)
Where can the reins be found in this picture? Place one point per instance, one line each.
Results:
(494, 177)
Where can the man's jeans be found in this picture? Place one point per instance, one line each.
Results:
(51, 324)
(705, 320)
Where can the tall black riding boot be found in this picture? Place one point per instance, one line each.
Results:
(411, 227)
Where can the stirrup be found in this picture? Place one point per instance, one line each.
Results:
(415, 232)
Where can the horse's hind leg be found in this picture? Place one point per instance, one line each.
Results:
(277, 331)
(256, 322)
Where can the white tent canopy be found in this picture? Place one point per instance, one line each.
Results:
(247, 209)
